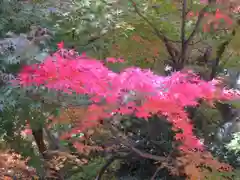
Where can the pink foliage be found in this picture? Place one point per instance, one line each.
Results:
(133, 91)
(215, 19)
(114, 60)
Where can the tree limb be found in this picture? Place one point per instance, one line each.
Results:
(122, 139)
(173, 52)
(107, 164)
(156, 172)
(183, 41)
(144, 154)
(199, 20)
(220, 51)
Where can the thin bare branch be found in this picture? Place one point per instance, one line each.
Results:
(156, 172)
(184, 7)
(108, 164)
(122, 139)
(147, 155)
(221, 49)
(199, 20)
(173, 52)
(183, 33)
(186, 42)
(104, 168)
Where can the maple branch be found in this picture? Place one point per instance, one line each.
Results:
(183, 41)
(156, 172)
(144, 154)
(107, 164)
(104, 167)
(184, 7)
(173, 52)
(199, 20)
(220, 51)
(122, 139)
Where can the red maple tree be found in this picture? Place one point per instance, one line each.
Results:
(133, 91)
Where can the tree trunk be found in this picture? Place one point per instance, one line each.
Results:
(51, 172)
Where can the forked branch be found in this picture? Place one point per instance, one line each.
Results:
(198, 23)
(173, 52)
